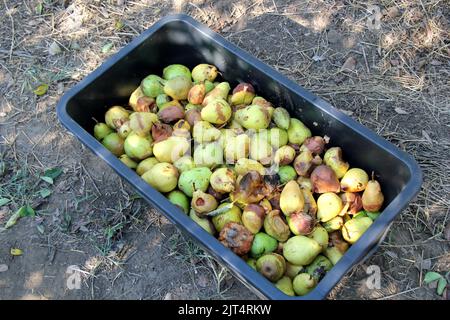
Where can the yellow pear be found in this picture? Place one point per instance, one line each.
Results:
(372, 198)
(291, 198)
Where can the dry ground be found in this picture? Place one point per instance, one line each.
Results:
(397, 82)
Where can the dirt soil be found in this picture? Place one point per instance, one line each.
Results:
(395, 79)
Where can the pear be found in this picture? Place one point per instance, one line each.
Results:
(116, 116)
(301, 250)
(145, 165)
(314, 144)
(292, 270)
(124, 130)
(320, 235)
(281, 118)
(303, 163)
(253, 217)
(272, 266)
(205, 223)
(203, 202)
(260, 101)
(152, 86)
(297, 132)
(138, 147)
(354, 229)
(333, 159)
(285, 285)
(284, 155)
(162, 176)
(176, 70)
(141, 122)
(171, 112)
(275, 226)
(303, 284)
(171, 149)
(251, 262)
(217, 111)
(220, 91)
(243, 94)
(291, 199)
(243, 166)
(232, 215)
(263, 244)
(372, 198)
(305, 183)
(353, 202)
(329, 205)
(204, 72)
(161, 99)
(253, 117)
(203, 132)
(324, 180)
(223, 180)
(301, 223)
(179, 199)
(184, 163)
(319, 267)
(236, 237)
(197, 93)
(236, 147)
(260, 149)
(278, 137)
(192, 116)
(194, 179)
(354, 180)
(130, 163)
(208, 155)
(101, 130)
(333, 224)
(286, 174)
(178, 87)
(333, 254)
(310, 202)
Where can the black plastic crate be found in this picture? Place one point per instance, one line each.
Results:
(181, 39)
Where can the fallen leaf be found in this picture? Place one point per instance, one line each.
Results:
(47, 179)
(431, 276)
(39, 8)
(400, 110)
(16, 252)
(107, 47)
(41, 89)
(54, 49)
(53, 173)
(12, 220)
(3, 268)
(442, 283)
(349, 64)
(26, 211)
(45, 192)
(40, 228)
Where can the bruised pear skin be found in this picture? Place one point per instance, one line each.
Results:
(353, 202)
(253, 217)
(236, 237)
(204, 72)
(372, 198)
(333, 159)
(276, 227)
(315, 144)
(243, 94)
(354, 180)
(197, 93)
(324, 180)
(301, 223)
(272, 266)
(203, 202)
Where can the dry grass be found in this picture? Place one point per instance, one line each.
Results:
(397, 84)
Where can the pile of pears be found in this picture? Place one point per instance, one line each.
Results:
(245, 171)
